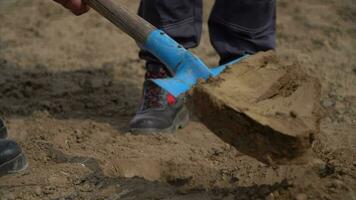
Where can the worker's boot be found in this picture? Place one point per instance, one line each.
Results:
(159, 110)
(12, 158)
(3, 130)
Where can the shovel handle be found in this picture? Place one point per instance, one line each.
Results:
(132, 24)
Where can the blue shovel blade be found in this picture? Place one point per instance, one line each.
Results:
(173, 85)
(217, 70)
(187, 78)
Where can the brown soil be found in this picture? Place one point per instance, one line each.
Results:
(265, 108)
(69, 86)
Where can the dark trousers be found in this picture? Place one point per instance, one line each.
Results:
(236, 26)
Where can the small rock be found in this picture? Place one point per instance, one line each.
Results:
(326, 170)
(293, 114)
(49, 190)
(327, 103)
(276, 194)
(37, 190)
(270, 197)
(216, 151)
(86, 188)
(317, 164)
(234, 179)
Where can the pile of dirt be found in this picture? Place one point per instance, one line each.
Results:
(263, 107)
(69, 85)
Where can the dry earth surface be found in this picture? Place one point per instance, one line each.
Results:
(69, 86)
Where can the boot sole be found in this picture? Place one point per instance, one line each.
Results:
(15, 165)
(179, 122)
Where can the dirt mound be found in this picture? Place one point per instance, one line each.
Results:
(263, 107)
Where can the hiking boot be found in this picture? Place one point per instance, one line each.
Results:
(159, 110)
(3, 130)
(12, 158)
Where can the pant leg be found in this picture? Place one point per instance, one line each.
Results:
(242, 26)
(180, 19)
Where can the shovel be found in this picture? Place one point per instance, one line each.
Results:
(186, 67)
(252, 117)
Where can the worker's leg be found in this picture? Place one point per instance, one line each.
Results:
(182, 20)
(242, 26)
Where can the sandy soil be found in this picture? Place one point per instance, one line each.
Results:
(69, 86)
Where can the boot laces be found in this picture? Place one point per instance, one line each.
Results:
(154, 96)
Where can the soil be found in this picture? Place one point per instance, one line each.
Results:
(69, 86)
(263, 107)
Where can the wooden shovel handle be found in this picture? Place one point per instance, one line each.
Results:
(130, 23)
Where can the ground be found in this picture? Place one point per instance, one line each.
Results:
(69, 86)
